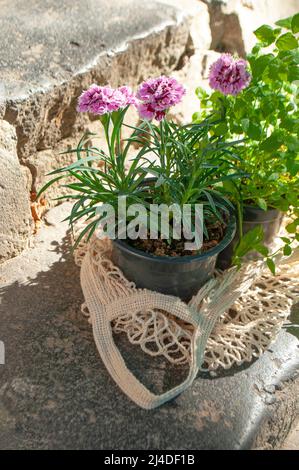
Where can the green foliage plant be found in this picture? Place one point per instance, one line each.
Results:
(265, 114)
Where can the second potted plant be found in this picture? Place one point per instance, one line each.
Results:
(257, 100)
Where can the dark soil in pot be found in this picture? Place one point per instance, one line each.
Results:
(162, 247)
(180, 274)
(252, 217)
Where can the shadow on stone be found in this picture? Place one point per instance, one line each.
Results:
(55, 392)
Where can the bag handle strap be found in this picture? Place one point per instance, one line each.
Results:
(102, 315)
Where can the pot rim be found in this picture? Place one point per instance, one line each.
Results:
(228, 237)
(255, 207)
(266, 216)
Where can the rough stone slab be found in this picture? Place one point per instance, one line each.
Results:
(292, 441)
(59, 48)
(56, 40)
(191, 74)
(233, 21)
(51, 51)
(56, 393)
(14, 203)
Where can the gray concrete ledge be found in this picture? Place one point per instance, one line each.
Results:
(52, 50)
(55, 392)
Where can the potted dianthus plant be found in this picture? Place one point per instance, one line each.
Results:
(163, 205)
(258, 100)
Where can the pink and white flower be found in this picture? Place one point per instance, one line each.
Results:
(157, 95)
(104, 99)
(229, 75)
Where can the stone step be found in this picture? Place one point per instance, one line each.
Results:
(61, 49)
(233, 21)
(51, 51)
(55, 392)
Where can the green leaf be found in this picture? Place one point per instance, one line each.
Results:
(271, 143)
(265, 34)
(287, 250)
(89, 229)
(271, 265)
(254, 131)
(201, 93)
(285, 23)
(221, 129)
(196, 117)
(293, 73)
(245, 124)
(256, 49)
(262, 249)
(290, 107)
(267, 105)
(240, 108)
(285, 240)
(292, 143)
(48, 184)
(259, 65)
(295, 23)
(249, 241)
(262, 203)
(77, 165)
(288, 123)
(292, 227)
(286, 42)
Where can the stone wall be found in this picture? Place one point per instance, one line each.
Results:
(56, 51)
(232, 22)
(15, 210)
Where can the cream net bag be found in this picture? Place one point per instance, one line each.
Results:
(232, 319)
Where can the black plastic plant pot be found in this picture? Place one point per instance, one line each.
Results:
(270, 221)
(178, 276)
(253, 216)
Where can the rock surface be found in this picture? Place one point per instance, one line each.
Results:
(61, 48)
(292, 441)
(55, 393)
(191, 74)
(57, 50)
(15, 210)
(233, 21)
